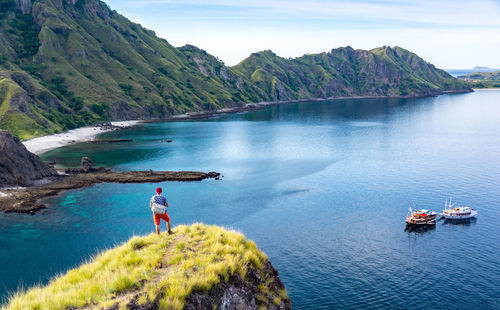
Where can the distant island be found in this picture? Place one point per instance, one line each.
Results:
(483, 69)
(72, 63)
(482, 79)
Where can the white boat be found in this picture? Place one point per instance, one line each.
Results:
(452, 212)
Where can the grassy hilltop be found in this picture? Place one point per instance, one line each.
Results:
(68, 63)
(193, 267)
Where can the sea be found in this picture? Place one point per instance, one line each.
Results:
(322, 187)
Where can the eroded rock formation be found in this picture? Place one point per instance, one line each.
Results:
(18, 166)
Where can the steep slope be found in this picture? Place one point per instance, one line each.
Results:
(68, 63)
(199, 267)
(19, 167)
(383, 71)
(86, 62)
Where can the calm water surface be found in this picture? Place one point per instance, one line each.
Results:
(323, 188)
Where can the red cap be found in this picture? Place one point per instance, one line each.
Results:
(158, 190)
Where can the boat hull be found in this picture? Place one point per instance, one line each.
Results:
(420, 222)
(459, 217)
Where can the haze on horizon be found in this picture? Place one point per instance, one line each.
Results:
(450, 34)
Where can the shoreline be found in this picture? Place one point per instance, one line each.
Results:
(46, 143)
(261, 105)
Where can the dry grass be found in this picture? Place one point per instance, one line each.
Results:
(163, 269)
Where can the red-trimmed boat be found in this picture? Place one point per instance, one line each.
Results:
(421, 217)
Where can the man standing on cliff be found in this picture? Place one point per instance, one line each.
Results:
(158, 205)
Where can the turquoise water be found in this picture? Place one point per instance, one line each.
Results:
(322, 187)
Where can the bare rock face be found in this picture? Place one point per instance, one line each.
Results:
(243, 294)
(18, 166)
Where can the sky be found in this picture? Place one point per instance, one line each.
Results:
(451, 34)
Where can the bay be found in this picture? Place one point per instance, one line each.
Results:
(322, 187)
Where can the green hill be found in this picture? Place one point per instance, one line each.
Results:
(80, 63)
(346, 72)
(65, 64)
(199, 267)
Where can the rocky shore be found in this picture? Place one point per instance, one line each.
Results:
(26, 200)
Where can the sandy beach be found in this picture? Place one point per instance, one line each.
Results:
(47, 143)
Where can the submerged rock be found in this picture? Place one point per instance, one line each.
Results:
(18, 166)
(110, 141)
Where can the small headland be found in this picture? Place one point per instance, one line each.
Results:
(26, 200)
(198, 267)
(25, 179)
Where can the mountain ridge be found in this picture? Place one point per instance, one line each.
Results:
(69, 63)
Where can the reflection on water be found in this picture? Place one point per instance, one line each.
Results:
(149, 138)
(322, 187)
(460, 223)
(419, 229)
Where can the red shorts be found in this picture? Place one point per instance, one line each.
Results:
(163, 216)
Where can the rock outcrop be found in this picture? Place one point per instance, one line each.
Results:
(86, 164)
(238, 293)
(19, 167)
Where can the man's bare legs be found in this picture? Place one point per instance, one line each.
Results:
(169, 227)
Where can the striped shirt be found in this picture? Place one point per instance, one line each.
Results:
(159, 199)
